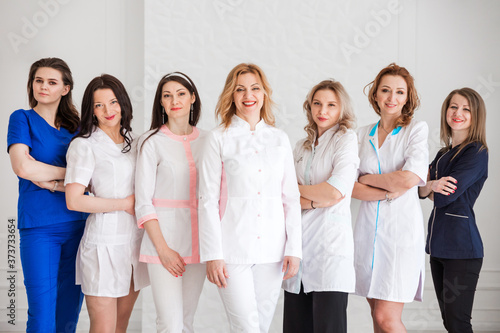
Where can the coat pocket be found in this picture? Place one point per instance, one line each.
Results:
(456, 215)
(337, 236)
(457, 235)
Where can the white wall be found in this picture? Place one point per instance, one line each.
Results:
(93, 37)
(446, 45)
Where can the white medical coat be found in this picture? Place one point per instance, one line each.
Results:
(327, 240)
(389, 237)
(249, 199)
(108, 255)
(166, 190)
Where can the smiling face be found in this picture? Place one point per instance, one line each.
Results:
(325, 109)
(248, 96)
(48, 86)
(391, 95)
(458, 114)
(177, 100)
(107, 109)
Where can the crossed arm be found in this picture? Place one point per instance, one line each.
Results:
(44, 175)
(321, 195)
(373, 187)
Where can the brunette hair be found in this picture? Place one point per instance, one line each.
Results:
(347, 118)
(412, 101)
(67, 115)
(89, 123)
(226, 108)
(159, 117)
(477, 129)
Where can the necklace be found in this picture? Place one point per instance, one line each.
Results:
(382, 127)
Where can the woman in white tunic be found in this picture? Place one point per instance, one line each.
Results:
(167, 203)
(389, 235)
(326, 163)
(250, 230)
(102, 158)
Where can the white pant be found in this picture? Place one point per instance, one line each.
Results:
(176, 298)
(251, 295)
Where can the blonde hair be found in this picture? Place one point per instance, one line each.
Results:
(226, 108)
(347, 118)
(477, 129)
(412, 101)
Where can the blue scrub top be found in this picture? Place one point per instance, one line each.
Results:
(36, 206)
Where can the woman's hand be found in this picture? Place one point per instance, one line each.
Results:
(47, 185)
(394, 195)
(444, 185)
(172, 261)
(217, 273)
(130, 204)
(328, 203)
(290, 266)
(52, 185)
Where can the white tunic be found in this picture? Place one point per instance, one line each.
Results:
(108, 255)
(252, 174)
(389, 237)
(327, 241)
(166, 190)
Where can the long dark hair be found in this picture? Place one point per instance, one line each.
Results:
(67, 115)
(88, 124)
(159, 117)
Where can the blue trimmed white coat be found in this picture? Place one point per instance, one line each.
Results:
(389, 255)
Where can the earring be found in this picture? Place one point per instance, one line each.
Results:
(163, 114)
(191, 115)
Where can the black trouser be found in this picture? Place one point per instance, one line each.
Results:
(455, 283)
(317, 311)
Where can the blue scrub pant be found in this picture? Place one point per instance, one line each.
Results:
(48, 256)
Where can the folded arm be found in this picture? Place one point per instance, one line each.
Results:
(77, 200)
(397, 181)
(27, 167)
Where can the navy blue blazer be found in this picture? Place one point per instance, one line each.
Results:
(452, 231)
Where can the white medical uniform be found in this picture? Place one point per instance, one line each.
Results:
(249, 213)
(389, 237)
(166, 190)
(327, 240)
(108, 255)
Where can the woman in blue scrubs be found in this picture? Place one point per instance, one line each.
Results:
(37, 141)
